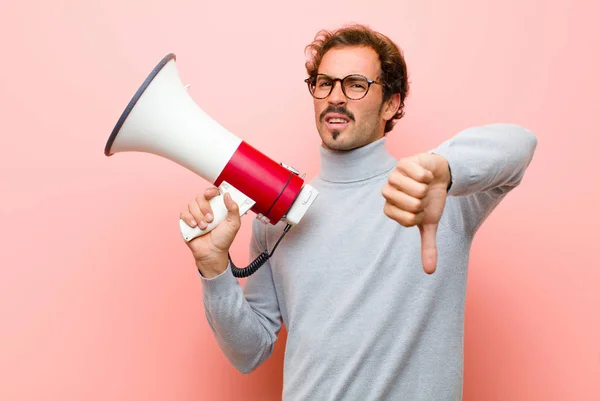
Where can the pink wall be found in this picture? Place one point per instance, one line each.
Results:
(99, 296)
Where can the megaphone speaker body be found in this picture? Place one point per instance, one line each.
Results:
(164, 120)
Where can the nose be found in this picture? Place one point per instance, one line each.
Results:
(337, 97)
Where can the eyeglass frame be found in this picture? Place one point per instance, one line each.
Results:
(334, 80)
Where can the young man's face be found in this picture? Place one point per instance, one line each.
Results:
(364, 119)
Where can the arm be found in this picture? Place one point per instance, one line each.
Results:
(477, 168)
(486, 163)
(245, 327)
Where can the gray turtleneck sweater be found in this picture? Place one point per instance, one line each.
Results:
(364, 321)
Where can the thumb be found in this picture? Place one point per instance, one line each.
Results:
(428, 247)
(223, 235)
(233, 213)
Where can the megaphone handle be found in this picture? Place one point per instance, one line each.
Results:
(219, 210)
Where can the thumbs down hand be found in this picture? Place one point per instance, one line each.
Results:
(415, 195)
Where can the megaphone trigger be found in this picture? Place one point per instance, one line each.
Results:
(219, 209)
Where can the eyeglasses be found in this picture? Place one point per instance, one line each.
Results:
(354, 86)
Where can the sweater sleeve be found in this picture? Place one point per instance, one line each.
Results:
(486, 163)
(245, 326)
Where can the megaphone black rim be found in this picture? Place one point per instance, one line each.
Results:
(134, 100)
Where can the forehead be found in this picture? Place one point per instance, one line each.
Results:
(342, 61)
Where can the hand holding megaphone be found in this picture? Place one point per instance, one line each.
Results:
(163, 119)
(219, 211)
(211, 251)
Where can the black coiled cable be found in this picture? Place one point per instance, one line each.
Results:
(258, 262)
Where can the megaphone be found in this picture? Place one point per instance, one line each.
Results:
(164, 120)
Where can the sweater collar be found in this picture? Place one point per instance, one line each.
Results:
(355, 165)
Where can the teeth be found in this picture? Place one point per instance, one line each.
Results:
(337, 120)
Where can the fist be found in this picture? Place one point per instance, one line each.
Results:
(415, 195)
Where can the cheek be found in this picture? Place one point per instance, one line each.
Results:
(319, 107)
(367, 113)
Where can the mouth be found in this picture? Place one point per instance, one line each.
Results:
(336, 121)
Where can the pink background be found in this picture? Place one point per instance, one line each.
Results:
(100, 299)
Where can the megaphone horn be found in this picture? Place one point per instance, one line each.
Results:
(163, 119)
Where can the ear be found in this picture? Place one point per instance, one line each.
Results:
(391, 106)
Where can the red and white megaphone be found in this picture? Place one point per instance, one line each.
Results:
(164, 120)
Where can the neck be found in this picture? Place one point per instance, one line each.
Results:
(357, 164)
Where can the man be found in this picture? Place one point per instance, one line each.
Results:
(366, 317)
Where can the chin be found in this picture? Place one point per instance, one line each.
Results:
(333, 136)
(338, 144)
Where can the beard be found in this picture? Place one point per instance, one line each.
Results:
(359, 134)
(349, 138)
(339, 110)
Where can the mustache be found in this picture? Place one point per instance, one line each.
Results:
(339, 110)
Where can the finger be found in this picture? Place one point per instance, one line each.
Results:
(414, 170)
(402, 200)
(196, 212)
(428, 247)
(204, 203)
(407, 185)
(188, 218)
(211, 193)
(405, 218)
